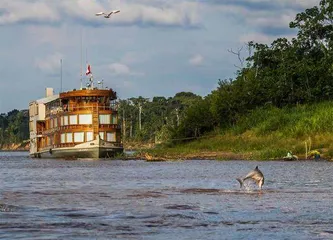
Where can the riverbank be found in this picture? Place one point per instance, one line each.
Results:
(227, 146)
(246, 146)
(223, 156)
(267, 133)
(16, 147)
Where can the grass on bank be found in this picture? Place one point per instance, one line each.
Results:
(265, 133)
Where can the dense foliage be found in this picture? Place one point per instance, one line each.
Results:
(14, 127)
(266, 133)
(283, 74)
(154, 120)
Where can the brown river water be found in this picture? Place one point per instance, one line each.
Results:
(85, 199)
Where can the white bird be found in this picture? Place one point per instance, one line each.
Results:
(107, 15)
(99, 13)
(112, 12)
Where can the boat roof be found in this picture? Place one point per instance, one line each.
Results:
(89, 93)
(48, 99)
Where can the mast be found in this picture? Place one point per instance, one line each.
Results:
(86, 55)
(60, 75)
(81, 57)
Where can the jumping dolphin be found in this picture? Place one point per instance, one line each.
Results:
(255, 175)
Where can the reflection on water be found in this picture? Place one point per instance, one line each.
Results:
(58, 199)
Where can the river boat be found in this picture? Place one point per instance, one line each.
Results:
(75, 124)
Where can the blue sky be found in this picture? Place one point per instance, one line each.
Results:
(151, 48)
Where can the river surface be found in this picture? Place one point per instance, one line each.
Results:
(85, 199)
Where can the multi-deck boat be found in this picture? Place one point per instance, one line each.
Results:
(75, 124)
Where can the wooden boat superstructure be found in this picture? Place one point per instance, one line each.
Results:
(75, 124)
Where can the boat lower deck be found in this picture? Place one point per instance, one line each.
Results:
(95, 149)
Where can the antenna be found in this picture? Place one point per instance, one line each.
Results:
(87, 63)
(60, 75)
(81, 57)
(86, 55)
(100, 83)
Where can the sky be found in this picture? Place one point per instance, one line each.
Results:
(151, 48)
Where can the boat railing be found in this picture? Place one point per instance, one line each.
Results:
(78, 127)
(72, 144)
(73, 108)
(88, 126)
(53, 111)
(112, 125)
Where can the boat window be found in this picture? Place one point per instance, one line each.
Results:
(69, 137)
(63, 138)
(65, 120)
(114, 119)
(89, 136)
(104, 119)
(73, 119)
(101, 135)
(111, 137)
(85, 119)
(79, 137)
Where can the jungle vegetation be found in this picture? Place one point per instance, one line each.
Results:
(14, 127)
(280, 75)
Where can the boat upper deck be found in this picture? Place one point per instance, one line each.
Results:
(84, 100)
(89, 94)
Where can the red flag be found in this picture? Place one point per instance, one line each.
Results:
(88, 70)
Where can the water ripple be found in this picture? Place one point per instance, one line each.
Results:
(57, 199)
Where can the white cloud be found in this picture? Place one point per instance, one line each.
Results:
(263, 18)
(133, 58)
(293, 3)
(50, 64)
(21, 10)
(261, 4)
(268, 20)
(269, 17)
(121, 69)
(196, 60)
(38, 35)
(83, 11)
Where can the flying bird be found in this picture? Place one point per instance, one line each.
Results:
(107, 15)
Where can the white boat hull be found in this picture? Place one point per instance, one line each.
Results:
(94, 149)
